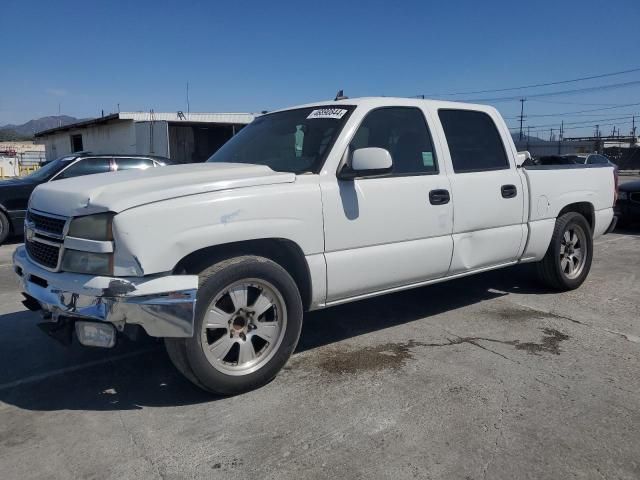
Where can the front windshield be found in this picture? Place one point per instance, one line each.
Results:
(49, 170)
(295, 141)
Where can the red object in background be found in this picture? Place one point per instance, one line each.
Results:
(8, 153)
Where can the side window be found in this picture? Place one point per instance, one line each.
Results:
(474, 141)
(597, 160)
(86, 166)
(134, 163)
(403, 132)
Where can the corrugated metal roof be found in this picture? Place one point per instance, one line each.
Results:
(220, 118)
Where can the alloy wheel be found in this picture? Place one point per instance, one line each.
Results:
(244, 326)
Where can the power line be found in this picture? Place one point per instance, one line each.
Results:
(542, 127)
(572, 103)
(621, 105)
(581, 122)
(611, 86)
(546, 84)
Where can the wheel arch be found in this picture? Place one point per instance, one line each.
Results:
(586, 209)
(284, 252)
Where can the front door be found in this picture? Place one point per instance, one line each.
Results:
(385, 232)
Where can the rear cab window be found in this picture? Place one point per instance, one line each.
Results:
(474, 141)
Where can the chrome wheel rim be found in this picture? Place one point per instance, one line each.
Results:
(573, 251)
(244, 326)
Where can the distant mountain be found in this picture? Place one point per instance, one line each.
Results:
(28, 129)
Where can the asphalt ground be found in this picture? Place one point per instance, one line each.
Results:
(489, 376)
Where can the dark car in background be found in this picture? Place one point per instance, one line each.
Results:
(14, 193)
(628, 203)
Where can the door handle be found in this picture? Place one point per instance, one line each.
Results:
(509, 191)
(439, 197)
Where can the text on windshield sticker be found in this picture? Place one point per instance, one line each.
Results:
(327, 113)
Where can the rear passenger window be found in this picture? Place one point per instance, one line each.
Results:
(404, 133)
(474, 141)
(597, 160)
(133, 163)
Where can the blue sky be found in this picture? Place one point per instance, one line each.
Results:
(252, 56)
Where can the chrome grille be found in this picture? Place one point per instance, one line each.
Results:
(44, 236)
(43, 253)
(46, 224)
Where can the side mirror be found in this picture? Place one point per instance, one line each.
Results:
(523, 158)
(367, 161)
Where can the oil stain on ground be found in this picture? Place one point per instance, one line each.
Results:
(393, 356)
(550, 342)
(367, 359)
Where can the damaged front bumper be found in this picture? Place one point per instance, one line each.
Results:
(162, 305)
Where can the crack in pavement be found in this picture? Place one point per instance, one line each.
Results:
(550, 343)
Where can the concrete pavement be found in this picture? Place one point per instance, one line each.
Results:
(485, 377)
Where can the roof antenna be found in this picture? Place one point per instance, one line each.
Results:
(340, 96)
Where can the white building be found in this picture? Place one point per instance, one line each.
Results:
(182, 137)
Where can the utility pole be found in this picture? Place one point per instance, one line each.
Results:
(528, 135)
(561, 130)
(522, 100)
(188, 106)
(551, 135)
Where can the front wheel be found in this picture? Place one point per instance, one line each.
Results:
(567, 262)
(247, 323)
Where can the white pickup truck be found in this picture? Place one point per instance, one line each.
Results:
(305, 208)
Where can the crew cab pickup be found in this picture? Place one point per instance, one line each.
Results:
(305, 208)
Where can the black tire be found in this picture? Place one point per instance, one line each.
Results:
(188, 355)
(549, 268)
(5, 227)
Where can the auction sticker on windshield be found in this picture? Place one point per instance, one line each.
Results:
(328, 113)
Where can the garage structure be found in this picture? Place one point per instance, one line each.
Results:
(182, 137)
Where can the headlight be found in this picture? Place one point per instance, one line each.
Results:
(623, 195)
(87, 262)
(92, 227)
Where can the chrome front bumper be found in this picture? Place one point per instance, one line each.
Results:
(163, 305)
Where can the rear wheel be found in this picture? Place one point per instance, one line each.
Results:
(567, 262)
(247, 324)
(4, 227)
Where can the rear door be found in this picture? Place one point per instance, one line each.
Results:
(487, 191)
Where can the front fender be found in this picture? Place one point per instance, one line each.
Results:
(160, 234)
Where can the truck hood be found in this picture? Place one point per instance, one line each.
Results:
(115, 192)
